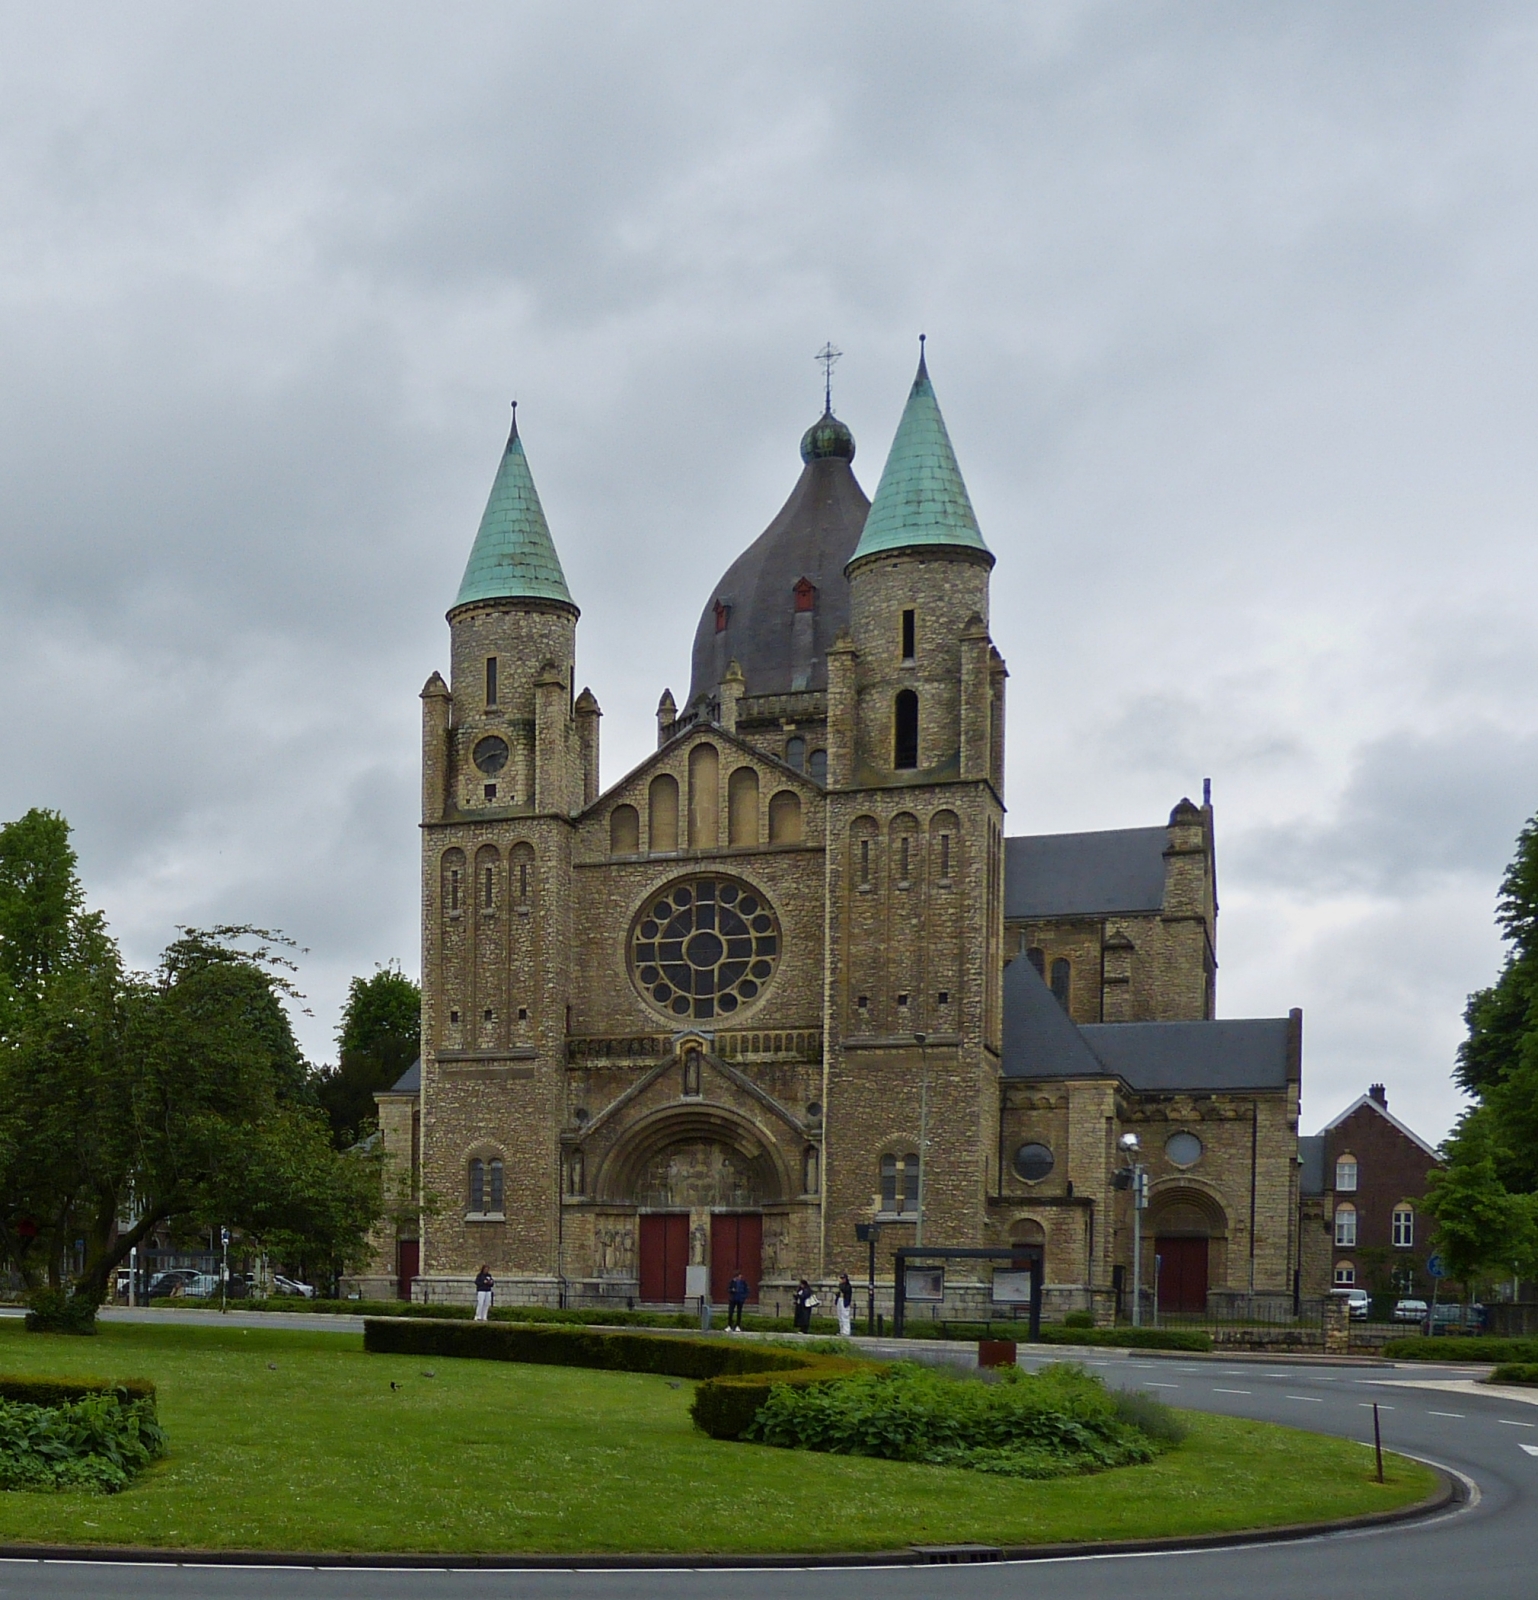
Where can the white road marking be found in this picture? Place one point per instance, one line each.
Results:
(1313, 1400)
(1232, 1391)
(1532, 1449)
(1457, 1414)
(1367, 1405)
(1506, 1422)
(1150, 1385)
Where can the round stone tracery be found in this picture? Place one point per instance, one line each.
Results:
(704, 947)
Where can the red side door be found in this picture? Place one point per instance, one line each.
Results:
(1182, 1274)
(408, 1263)
(736, 1240)
(664, 1255)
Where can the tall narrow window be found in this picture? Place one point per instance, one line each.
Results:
(945, 855)
(902, 856)
(1345, 1226)
(494, 1173)
(1345, 1173)
(864, 860)
(477, 1185)
(454, 889)
(905, 730)
(795, 753)
(491, 680)
(908, 633)
(1404, 1227)
(523, 882)
(900, 1183)
(489, 887)
(817, 766)
(1062, 978)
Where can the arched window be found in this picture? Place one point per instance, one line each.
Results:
(785, 818)
(477, 1186)
(1345, 1174)
(1404, 1226)
(900, 1183)
(1345, 1275)
(1062, 978)
(662, 803)
(795, 752)
(704, 797)
(817, 766)
(1345, 1227)
(905, 730)
(1038, 959)
(742, 807)
(624, 831)
(494, 1184)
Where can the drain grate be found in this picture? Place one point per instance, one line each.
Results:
(955, 1554)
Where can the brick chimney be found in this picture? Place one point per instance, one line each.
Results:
(1377, 1092)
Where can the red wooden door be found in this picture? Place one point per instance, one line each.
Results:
(1182, 1274)
(736, 1240)
(664, 1255)
(408, 1262)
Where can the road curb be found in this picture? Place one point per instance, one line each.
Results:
(1449, 1492)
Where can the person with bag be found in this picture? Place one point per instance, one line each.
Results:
(843, 1304)
(806, 1302)
(484, 1286)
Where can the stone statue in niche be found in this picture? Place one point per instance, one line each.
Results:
(615, 1252)
(691, 1072)
(576, 1173)
(697, 1245)
(774, 1245)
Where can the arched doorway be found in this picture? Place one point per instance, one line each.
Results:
(1183, 1224)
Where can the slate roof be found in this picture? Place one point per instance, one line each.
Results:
(812, 537)
(1084, 874)
(921, 499)
(1040, 1041)
(1311, 1164)
(410, 1081)
(513, 557)
(1383, 1111)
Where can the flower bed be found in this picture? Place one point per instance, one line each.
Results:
(76, 1433)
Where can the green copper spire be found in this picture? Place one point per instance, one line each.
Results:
(921, 499)
(513, 557)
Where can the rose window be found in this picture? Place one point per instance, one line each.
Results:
(704, 946)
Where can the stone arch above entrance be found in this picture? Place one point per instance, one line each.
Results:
(693, 1158)
(1189, 1230)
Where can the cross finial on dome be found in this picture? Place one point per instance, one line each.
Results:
(829, 358)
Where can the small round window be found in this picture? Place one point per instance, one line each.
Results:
(704, 947)
(1034, 1161)
(1183, 1149)
(491, 754)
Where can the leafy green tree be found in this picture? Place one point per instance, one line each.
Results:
(379, 1037)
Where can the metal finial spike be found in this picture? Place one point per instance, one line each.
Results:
(514, 434)
(829, 358)
(923, 369)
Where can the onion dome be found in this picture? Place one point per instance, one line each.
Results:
(513, 557)
(784, 600)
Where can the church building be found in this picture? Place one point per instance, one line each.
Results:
(790, 975)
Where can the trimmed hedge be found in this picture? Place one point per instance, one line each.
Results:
(30, 1391)
(736, 1377)
(1471, 1347)
(1516, 1372)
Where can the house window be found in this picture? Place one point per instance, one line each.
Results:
(908, 635)
(1062, 977)
(905, 731)
(1345, 1174)
(805, 592)
(1404, 1227)
(900, 1184)
(1345, 1226)
(491, 680)
(1345, 1275)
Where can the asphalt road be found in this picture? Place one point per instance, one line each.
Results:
(1487, 1549)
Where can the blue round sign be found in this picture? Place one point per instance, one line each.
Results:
(1434, 1267)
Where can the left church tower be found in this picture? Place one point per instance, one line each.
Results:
(509, 757)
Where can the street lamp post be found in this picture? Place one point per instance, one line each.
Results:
(1139, 1174)
(922, 1040)
(868, 1233)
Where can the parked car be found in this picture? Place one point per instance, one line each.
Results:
(172, 1281)
(1410, 1311)
(202, 1286)
(1452, 1315)
(282, 1285)
(1358, 1300)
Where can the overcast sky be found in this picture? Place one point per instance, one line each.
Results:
(1231, 310)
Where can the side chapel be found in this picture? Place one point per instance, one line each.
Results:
(722, 1011)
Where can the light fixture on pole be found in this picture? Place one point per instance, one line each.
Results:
(1139, 1175)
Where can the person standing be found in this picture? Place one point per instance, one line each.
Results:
(485, 1285)
(806, 1302)
(736, 1299)
(843, 1304)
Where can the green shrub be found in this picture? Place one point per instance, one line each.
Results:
(37, 1391)
(1140, 1410)
(1516, 1372)
(1027, 1425)
(1471, 1347)
(94, 1443)
(59, 1311)
(1079, 1319)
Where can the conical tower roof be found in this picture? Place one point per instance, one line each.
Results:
(513, 557)
(921, 499)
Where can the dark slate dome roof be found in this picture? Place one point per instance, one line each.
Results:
(813, 537)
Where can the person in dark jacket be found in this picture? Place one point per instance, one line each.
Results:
(806, 1303)
(484, 1285)
(736, 1299)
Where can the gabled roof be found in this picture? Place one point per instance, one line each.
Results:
(1199, 1057)
(410, 1081)
(1383, 1111)
(1084, 874)
(921, 499)
(513, 557)
(1040, 1039)
(1311, 1164)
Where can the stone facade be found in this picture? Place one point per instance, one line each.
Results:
(722, 1012)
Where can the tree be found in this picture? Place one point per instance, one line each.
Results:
(1485, 1201)
(378, 1039)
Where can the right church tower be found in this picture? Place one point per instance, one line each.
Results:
(914, 858)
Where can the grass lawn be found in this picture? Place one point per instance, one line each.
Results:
(287, 1440)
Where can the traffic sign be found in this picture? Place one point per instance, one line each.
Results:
(1434, 1267)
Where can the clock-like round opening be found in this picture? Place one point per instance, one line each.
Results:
(490, 754)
